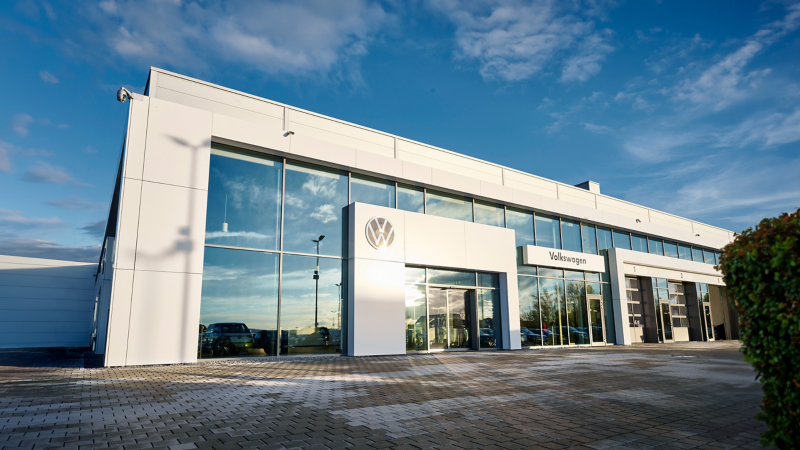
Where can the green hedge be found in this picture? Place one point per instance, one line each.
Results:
(762, 271)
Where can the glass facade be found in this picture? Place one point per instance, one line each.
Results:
(622, 240)
(684, 252)
(656, 246)
(588, 239)
(448, 205)
(548, 231)
(371, 190)
(489, 214)
(410, 198)
(571, 235)
(639, 243)
(670, 249)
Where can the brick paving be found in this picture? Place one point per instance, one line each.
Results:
(678, 396)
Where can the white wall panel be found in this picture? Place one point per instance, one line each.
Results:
(670, 221)
(378, 164)
(119, 318)
(172, 227)
(622, 208)
(379, 326)
(416, 172)
(30, 292)
(576, 195)
(496, 192)
(530, 183)
(434, 241)
(137, 135)
(455, 182)
(128, 223)
(310, 147)
(44, 281)
(452, 162)
(268, 134)
(341, 133)
(165, 315)
(489, 248)
(525, 198)
(178, 145)
(215, 94)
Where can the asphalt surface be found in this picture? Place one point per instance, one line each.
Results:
(674, 396)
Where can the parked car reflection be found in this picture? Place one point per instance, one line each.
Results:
(225, 339)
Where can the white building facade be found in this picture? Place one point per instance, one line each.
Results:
(241, 227)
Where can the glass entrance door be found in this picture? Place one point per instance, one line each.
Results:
(450, 319)
(596, 324)
(708, 329)
(667, 321)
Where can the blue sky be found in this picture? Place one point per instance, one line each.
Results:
(689, 107)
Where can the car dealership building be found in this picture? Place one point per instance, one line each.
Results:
(241, 227)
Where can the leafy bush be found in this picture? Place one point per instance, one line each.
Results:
(762, 271)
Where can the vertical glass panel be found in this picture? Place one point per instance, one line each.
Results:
(592, 276)
(588, 239)
(415, 275)
(704, 287)
(554, 314)
(459, 318)
(593, 288)
(577, 313)
(451, 277)
(314, 201)
(604, 239)
(697, 254)
(239, 303)
(571, 235)
(448, 205)
(548, 233)
(708, 257)
(311, 308)
(488, 280)
(550, 272)
(608, 311)
(656, 246)
(716, 256)
(371, 190)
(410, 198)
(489, 214)
(244, 200)
(573, 274)
(684, 252)
(416, 319)
(661, 282)
(530, 325)
(639, 243)
(522, 224)
(437, 319)
(666, 320)
(622, 240)
(670, 249)
(489, 318)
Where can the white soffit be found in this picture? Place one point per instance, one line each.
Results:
(563, 259)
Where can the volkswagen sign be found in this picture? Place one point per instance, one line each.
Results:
(380, 233)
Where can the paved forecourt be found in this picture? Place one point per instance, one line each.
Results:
(677, 396)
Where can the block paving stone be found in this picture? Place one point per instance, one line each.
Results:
(675, 396)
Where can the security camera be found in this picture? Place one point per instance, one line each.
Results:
(123, 94)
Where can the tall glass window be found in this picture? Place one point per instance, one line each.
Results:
(697, 254)
(684, 252)
(716, 256)
(577, 314)
(571, 235)
(622, 240)
(371, 190)
(314, 201)
(489, 318)
(416, 317)
(244, 200)
(588, 239)
(708, 257)
(410, 198)
(489, 214)
(548, 232)
(604, 239)
(311, 307)
(554, 314)
(451, 277)
(639, 243)
(448, 205)
(670, 249)
(656, 246)
(529, 321)
(239, 303)
(522, 224)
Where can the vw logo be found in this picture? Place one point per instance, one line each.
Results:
(380, 233)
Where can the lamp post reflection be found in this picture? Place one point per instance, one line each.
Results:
(316, 279)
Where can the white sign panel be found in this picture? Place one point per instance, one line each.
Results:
(564, 259)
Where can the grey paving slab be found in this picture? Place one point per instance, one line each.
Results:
(680, 396)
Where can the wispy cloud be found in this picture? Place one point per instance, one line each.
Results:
(39, 248)
(512, 40)
(600, 129)
(75, 203)
(44, 172)
(12, 219)
(772, 130)
(21, 123)
(48, 77)
(5, 157)
(95, 229)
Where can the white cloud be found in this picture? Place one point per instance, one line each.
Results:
(654, 146)
(600, 129)
(75, 203)
(48, 77)
(21, 123)
(38, 248)
(5, 157)
(324, 213)
(44, 172)
(772, 130)
(512, 40)
(11, 219)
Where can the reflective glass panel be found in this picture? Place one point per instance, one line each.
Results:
(244, 200)
(550, 272)
(593, 288)
(530, 326)
(488, 280)
(314, 201)
(571, 235)
(638, 243)
(451, 277)
(573, 274)
(661, 282)
(239, 303)
(670, 249)
(708, 257)
(554, 314)
(577, 313)
(437, 320)
(548, 233)
(489, 319)
(415, 275)
(656, 246)
(592, 276)
(716, 256)
(697, 254)
(608, 311)
(311, 309)
(604, 239)
(410, 198)
(588, 239)
(416, 318)
(489, 214)
(684, 252)
(448, 205)
(371, 190)
(522, 224)
(622, 240)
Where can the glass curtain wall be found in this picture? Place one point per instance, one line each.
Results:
(548, 231)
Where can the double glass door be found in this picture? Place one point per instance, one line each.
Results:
(450, 319)
(708, 325)
(596, 319)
